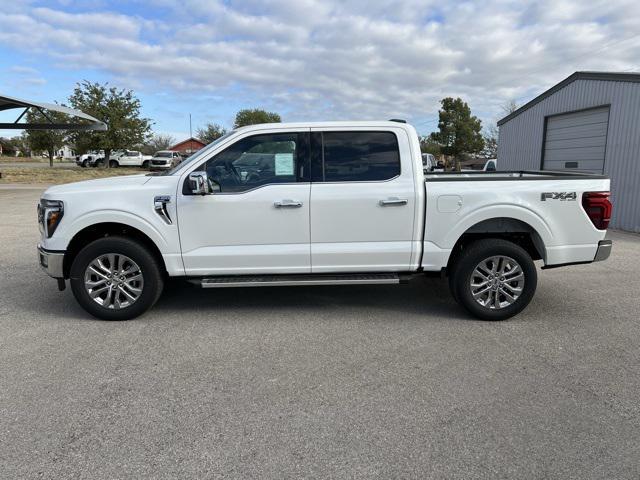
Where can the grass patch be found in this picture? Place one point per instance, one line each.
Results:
(57, 176)
(5, 159)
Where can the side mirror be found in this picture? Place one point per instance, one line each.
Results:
(199, 183)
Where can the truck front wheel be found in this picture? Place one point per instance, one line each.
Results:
(493, 279)
(115, 278)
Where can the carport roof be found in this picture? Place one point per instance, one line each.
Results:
(610, 76)
(8, 103)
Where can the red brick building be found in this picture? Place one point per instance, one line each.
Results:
(188, 146)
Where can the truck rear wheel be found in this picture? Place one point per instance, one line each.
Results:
(115, 278)
(493, 279)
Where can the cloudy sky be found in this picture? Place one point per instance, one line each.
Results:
(311, 59)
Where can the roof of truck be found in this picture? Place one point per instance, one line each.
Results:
(334, 124)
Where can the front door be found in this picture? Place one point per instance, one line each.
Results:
(259, 220)
(362, 201)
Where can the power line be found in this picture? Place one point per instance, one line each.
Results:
(605, 46)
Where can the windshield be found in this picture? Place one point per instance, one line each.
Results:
(197, 155)
(163, 154)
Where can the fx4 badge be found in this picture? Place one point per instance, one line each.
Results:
(562, 196)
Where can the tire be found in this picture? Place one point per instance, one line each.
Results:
(145, 164)
(511, 292)
(145, 274)
(113, 164)
(84, 163)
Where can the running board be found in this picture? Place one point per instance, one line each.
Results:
(301, 280)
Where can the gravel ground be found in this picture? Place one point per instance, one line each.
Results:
(318, 382)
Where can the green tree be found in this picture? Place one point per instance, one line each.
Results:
(157, 142)
(119, 109)
(427, 145)
(46, 140)
(210, 132)
(458, 131)
(254, 116)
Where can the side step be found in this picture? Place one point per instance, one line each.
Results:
(301, 280)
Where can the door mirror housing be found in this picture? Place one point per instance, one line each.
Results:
(199, 183)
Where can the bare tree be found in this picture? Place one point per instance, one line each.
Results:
(509, 107)
(159, 141)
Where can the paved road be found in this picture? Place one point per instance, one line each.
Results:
(331, 382)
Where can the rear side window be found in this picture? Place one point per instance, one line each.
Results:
(358, 156)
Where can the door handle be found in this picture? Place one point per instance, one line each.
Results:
(287, 204)
(393, 201)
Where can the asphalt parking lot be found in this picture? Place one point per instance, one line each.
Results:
(318, 382)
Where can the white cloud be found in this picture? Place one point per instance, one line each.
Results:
(342, 59)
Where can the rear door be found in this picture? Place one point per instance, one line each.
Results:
(130, 159)
(362, 200)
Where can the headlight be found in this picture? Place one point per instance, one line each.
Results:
(50, 212)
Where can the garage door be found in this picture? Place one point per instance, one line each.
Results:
(576, 140)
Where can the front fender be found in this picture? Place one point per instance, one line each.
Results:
(63, 236)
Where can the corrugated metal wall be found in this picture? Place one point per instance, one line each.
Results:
(521, 138)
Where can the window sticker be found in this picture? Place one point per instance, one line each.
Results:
(284, 163)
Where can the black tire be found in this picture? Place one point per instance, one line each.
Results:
(113, 164)
(145, 164)
(465, 265)
(84, 163)
(149, 267)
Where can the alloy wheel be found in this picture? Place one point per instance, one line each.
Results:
(113, 281)
(497, 282)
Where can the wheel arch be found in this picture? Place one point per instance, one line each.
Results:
(507, 228)
(105, 229)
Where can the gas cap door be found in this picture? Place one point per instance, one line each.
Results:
(449, 203)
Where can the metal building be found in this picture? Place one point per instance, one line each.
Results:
(588, 122)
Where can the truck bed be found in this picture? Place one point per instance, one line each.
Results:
(511, 175)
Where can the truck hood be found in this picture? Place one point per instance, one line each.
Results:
(100, 184)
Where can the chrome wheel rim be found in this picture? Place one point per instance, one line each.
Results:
(113, 281)
(497, 282)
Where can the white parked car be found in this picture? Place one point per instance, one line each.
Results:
(164, 160)
(130, 158)
(491, 165)
(333, 203)
(89, 159)
(428, 162)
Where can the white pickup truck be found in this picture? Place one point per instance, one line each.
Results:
(130, 158)
(319, 204)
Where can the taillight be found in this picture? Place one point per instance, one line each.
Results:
(598, 208)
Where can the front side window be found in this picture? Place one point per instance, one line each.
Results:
(359, 156)
(260, 160)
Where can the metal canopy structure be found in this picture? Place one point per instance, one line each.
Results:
(8, 103)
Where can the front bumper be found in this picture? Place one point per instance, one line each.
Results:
(51, 262)
(160, 166)
(604, 250)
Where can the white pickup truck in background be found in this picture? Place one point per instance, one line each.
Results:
(130, 158)
(317, 204)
